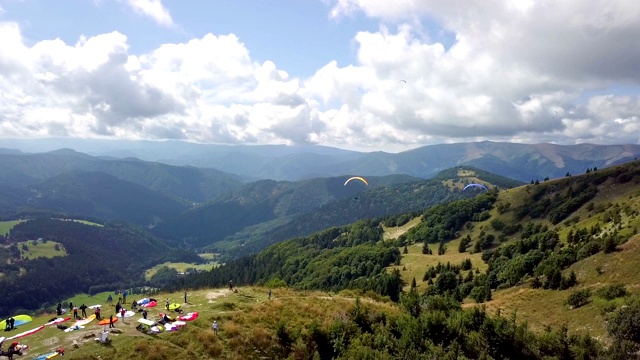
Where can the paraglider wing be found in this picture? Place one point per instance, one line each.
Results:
(475, 185)
(356, 178)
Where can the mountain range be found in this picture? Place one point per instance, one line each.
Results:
(523, 162)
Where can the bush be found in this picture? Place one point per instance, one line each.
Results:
(612, 292)
(275, 282)
(579, 298)
(481, 294)
(588, 249)
(624, 324)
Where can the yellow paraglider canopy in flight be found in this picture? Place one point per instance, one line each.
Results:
(356, 178)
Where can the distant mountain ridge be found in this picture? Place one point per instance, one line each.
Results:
(185, 183)
(523, 162)
(100, 195)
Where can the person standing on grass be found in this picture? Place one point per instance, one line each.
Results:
(269, 294)
(111, 322)
(185, 296)
(124, 297)
(167, 304)
(110, 300)
(84, 310)
(215, 326)
(75, 312)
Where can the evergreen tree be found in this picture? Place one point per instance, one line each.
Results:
(442, 248)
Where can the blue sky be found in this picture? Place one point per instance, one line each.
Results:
(321, 71)
(298, 35)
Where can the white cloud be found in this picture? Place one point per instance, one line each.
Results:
(153, 9)
(517, 71)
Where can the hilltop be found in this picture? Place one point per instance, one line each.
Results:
(307, 324)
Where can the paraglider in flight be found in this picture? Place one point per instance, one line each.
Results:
(402, 83)
(356, 178)
(475, 185)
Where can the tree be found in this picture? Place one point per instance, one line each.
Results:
(426, 249)
(442, 248)
(610, 244)
(464, 243)
(481, 293)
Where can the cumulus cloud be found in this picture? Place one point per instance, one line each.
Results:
(153, 9)
(512, 67)
(206, 90)
(522, 71)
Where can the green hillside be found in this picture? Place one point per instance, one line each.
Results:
(97, 259)
(388, 294)
(314, 325)
(100, 195)
(263, 201)
(182, 182)
(534, 248)
(386, 196)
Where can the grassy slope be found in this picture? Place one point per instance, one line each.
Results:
(41, 249)
(6, 226)
(246, 319)
(180, 267)
(542, 307)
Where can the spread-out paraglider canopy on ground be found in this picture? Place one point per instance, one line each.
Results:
(475, 185)
(356, 178)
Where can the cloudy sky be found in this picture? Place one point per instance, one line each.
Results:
(357, 74)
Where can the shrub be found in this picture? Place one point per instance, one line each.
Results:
(481, 294)
(579, 298)
(612, 291)
(624, 324)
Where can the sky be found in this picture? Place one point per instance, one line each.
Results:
(365, 75)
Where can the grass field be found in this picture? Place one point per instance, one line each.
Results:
(180, 267)
(6, 226)
(247, 321)
(39, 249)
(415, 263)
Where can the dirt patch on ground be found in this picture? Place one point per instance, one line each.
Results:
(51, 342)
(212, 295)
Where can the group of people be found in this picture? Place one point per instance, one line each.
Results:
(10, 324)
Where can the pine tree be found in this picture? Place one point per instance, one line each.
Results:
(442, 248)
